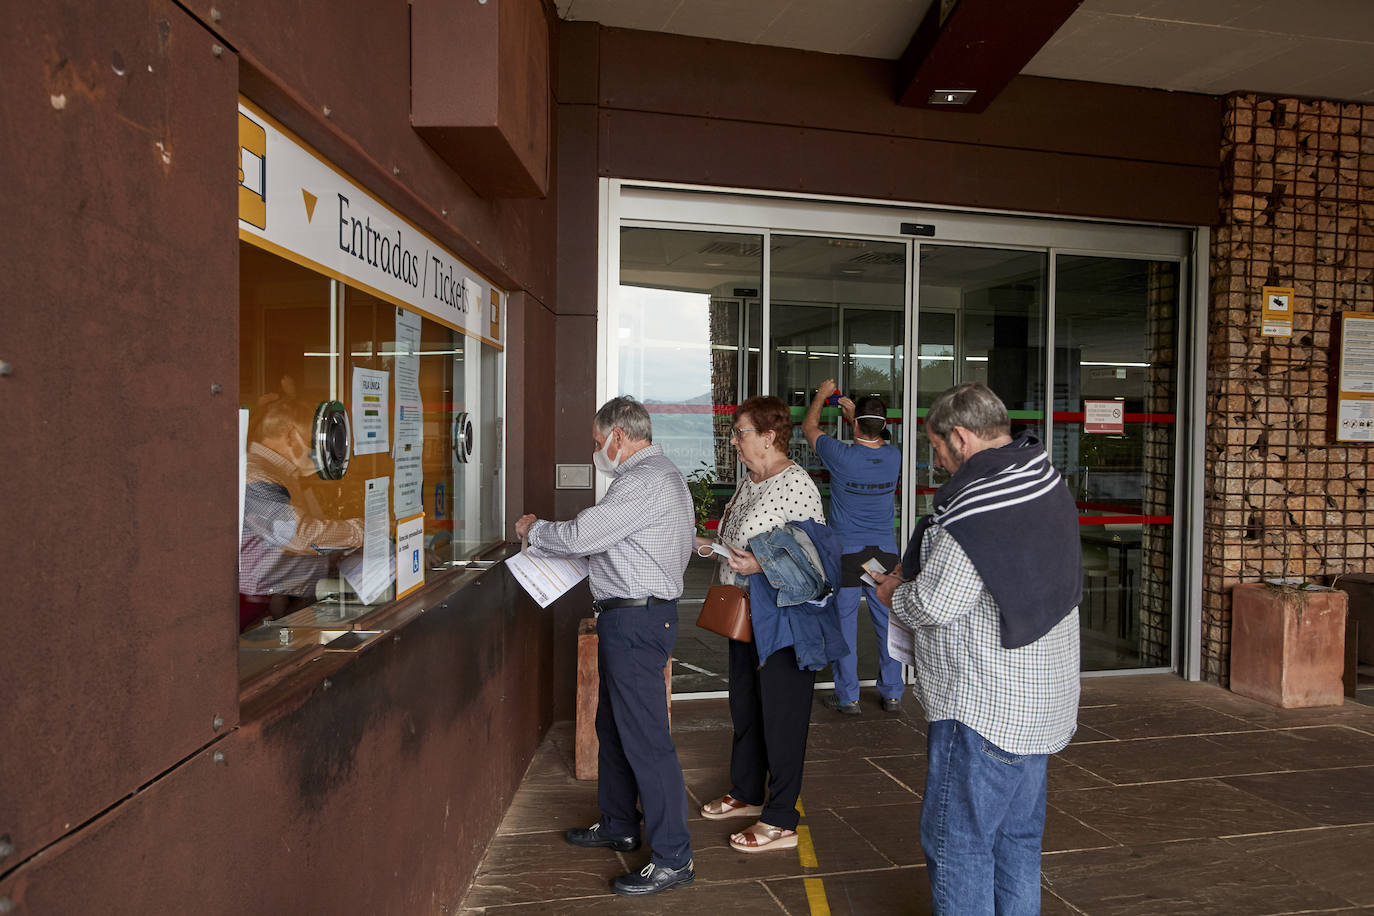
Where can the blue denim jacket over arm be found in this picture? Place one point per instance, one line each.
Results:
(792, 603)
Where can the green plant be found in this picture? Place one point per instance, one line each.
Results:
(700, 483)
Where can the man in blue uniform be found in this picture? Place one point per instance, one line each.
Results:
(863, 481)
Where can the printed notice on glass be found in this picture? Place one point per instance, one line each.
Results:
(546, 577)
(370, 575)
(369, 411)
(410, 449)
(407, 359)
(1104, 417)
(901, 642)
(410, 555)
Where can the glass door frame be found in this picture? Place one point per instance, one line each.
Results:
(696, 208)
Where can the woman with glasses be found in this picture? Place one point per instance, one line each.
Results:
(770, 699)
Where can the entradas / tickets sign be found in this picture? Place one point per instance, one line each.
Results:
(296, 204)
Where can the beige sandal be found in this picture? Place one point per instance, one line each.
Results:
(718, 809)
(760, 836)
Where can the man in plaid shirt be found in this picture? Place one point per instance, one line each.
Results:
(990, 589)
(637, 540)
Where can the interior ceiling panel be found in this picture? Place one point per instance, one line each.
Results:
(1311, 48)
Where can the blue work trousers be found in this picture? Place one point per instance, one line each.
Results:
(982, 818)
(846, 670)
(637, 758)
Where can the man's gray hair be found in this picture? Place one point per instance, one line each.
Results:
(629, 415)
(971, 405)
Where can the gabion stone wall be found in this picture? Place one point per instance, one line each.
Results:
(1297, 210)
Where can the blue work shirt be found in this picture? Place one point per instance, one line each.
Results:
(862, 483)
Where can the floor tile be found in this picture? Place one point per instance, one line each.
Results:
(1156, 812)
(541, 866)
(1341, 796)
(699, 897)
(1065, 775)
(908, 770)
(1158, 759)
(847, 783)
(1336, 859)
(894, 831)
(1138, 720)
(1307, 748)
(1063, 831)
(1200, 876)
(892, 890)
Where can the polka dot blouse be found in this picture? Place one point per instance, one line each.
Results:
(788, 496)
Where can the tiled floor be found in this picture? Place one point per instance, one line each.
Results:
(1175, 798)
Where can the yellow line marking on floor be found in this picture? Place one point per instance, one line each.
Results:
(805, 851)
(815, 896)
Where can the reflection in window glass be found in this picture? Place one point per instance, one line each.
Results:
(980, 319)
(305, 340)
(687, 317)
(1116, 328)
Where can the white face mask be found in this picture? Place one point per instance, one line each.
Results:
(603, 461)
(868, 416)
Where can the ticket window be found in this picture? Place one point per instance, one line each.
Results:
(307, 343)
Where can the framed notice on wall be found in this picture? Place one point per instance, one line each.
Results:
(1350, 401)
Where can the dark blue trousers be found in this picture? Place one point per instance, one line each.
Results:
(637, 757)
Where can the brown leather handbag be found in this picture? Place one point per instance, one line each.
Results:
(726, 611)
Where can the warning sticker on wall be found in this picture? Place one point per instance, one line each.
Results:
(1278, 311)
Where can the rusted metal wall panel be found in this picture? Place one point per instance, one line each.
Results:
(352, 57)
(120, 315)
(374, 790)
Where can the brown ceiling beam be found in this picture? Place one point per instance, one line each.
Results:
(974, 45)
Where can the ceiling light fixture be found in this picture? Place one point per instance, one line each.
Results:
(952, 96)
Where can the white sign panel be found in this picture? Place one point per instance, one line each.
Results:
(309, 209)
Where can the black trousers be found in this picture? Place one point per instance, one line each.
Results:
(771, 711)
(637, 757)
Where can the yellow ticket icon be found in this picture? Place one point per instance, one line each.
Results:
(252, 172)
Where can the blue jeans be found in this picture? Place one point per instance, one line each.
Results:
(787, 566)
(982, 818)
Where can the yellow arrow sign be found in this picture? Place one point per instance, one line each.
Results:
(310, 200)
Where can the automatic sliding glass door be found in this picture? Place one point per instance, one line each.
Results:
(839, 311)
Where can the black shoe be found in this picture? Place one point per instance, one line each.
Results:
(892, 704)
(849, 709)
(652, 879)
(593, 837)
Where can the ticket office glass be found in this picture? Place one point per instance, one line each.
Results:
(848, 308)
(303, 338)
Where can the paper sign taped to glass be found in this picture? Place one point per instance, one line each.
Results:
(546, 577)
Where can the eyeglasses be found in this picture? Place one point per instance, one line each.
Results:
(736, 432)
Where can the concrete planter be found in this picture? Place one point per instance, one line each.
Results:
(1287, 644)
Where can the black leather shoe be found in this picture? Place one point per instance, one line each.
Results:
(652, 879)
(592, 837)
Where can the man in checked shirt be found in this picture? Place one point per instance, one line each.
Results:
(637, 540)
(990, 587)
